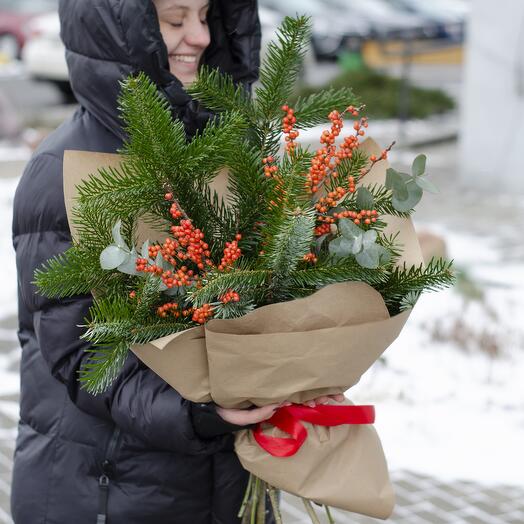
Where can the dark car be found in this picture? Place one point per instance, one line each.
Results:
(14, 15)
(331, 33)
(385, 21)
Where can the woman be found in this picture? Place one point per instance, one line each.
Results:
(138, 453)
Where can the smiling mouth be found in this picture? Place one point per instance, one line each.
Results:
(186, 59)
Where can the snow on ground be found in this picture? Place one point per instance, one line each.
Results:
(7, 259)
(450, 398)
(9, 380)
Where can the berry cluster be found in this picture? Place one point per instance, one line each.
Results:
(327, 158)
(231, 253)
(192, 239)
(173, 309)
(230, 296)
(367, 216)
(322, 229)
(181, 277)
(268, 169)
(142, 265)
(331, 200)
(175, 211)
(288, 123)
(310, 257)
(201, 314)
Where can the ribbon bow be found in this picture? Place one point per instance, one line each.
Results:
(289, 419)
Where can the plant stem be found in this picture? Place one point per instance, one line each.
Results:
(245, 501)
(331, 520)
(261, 510)
(254, 501)
(310, 511)
(274, 504)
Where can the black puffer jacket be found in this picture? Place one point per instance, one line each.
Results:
(138, 453)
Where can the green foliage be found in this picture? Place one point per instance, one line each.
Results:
(74, 272)
(281, 66)
(404, 281)
(275, 215)
(219, 93)
(381, 93)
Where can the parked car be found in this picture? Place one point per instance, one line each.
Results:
(385, 21)
(44, 54)
(331, 33)
(449, 15)
(14, 16)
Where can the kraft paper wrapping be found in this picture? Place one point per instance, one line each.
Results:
(297, 350)
(342, 467)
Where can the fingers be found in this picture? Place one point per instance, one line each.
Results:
(324, 399)
(338, 398)
(260, 414)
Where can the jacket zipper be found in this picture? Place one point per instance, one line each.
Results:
(103, 480)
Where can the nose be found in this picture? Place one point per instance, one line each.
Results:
(197, 34)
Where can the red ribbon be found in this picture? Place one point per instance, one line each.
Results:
(288, 419)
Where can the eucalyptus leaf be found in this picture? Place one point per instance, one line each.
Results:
(129, 265)
(394, 179)
(419, 165)
(407, 204)
(349, 229)
(340, 247)
(117, 236)
(426, 185)
(373, 256)
(368, 258)
(145, 249)
(365, 198)
(369, 238)
(357, 245)
(112, 257)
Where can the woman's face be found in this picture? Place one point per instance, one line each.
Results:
(184, 28)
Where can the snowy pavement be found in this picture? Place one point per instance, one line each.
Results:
(449, 394)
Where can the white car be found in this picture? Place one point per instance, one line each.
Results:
(44, 55)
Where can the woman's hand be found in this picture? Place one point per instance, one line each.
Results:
(245, 417)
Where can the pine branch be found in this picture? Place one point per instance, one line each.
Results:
(345, 270)
(218, 92)
(435, 276)
(314, 109)
(219, 283)
(156, 139)
(103, 367)
(118, 185)
(281, 66)
(213, 147)
(71, 273)
(290, 242)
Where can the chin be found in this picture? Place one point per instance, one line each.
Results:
(184, 77)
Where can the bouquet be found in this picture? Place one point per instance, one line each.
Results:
(244, 274)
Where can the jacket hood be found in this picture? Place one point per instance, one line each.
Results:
(108, 40)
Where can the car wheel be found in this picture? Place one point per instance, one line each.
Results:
(9, 48)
